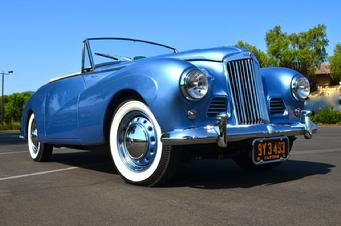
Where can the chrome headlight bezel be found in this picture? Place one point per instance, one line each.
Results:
(194, 84)
(300, 88)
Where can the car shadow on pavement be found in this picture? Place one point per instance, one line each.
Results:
(10, 138)
(98, 160)
(210, 174)
(204, 174)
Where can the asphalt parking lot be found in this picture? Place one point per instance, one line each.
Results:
(81, 188)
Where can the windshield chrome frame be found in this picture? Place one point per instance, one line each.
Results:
(86, 47)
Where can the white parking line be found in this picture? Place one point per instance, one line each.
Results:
(38, 173)
(12, 152)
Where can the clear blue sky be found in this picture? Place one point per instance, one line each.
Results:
(42, 39)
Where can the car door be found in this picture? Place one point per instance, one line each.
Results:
(61, 113)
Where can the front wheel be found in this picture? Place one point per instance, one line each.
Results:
(136, 148)
(39, 152)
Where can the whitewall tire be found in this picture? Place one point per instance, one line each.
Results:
(136, 148)
(39, 152)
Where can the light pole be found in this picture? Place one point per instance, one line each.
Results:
(2, 95)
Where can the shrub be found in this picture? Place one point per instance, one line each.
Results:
(14, 105)
(10, 126)
(327, 116)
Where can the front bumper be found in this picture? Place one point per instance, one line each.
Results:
(221, 133)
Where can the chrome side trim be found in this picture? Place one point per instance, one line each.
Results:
(63, 76)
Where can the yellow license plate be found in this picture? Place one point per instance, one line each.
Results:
(270, 150)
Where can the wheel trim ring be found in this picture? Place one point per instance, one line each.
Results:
(134, 176)
(34, 137)
(34, 146)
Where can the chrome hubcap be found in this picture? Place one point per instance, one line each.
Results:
(34, 137)
(137, 141)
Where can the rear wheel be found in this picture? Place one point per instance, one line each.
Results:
(39, 152)
(136, 148)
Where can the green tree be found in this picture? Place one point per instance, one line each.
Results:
(14, 105)
(335, 63)
(302, 51)
(262, 57)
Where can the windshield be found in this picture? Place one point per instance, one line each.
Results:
(113, 50)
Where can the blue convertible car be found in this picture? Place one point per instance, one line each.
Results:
(154, 106)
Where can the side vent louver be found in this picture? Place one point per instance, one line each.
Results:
(217, 105)
(277, 106)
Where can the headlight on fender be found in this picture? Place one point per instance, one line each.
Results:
(300, 87)
(194, 84)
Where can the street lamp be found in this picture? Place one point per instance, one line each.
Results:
(2, 95)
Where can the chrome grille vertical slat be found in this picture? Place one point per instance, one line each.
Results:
(247, 91)
(252, 94)
(260, 92)
(236, 80)
(249, 107)
(251, 87)
(234, 88)
(251, 100)
(240, 91)
(244, 92)
(255, 92)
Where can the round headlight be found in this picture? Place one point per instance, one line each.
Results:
(194, 84)
(300, 88)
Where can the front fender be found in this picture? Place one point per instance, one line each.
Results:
(277, 84)
(156, 81)
(35, 104)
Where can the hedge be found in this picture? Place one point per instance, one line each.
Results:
(327, 116)
(10, 126)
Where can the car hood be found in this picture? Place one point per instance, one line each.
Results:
(212, 54)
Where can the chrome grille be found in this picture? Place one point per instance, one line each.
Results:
(247, 91)
(276, 106)
(217, 105)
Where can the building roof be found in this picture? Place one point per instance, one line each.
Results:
(323, 69)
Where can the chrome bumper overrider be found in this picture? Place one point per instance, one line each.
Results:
(221, 133)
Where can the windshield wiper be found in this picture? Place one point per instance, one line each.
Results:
(106, 56)
(117, 58)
